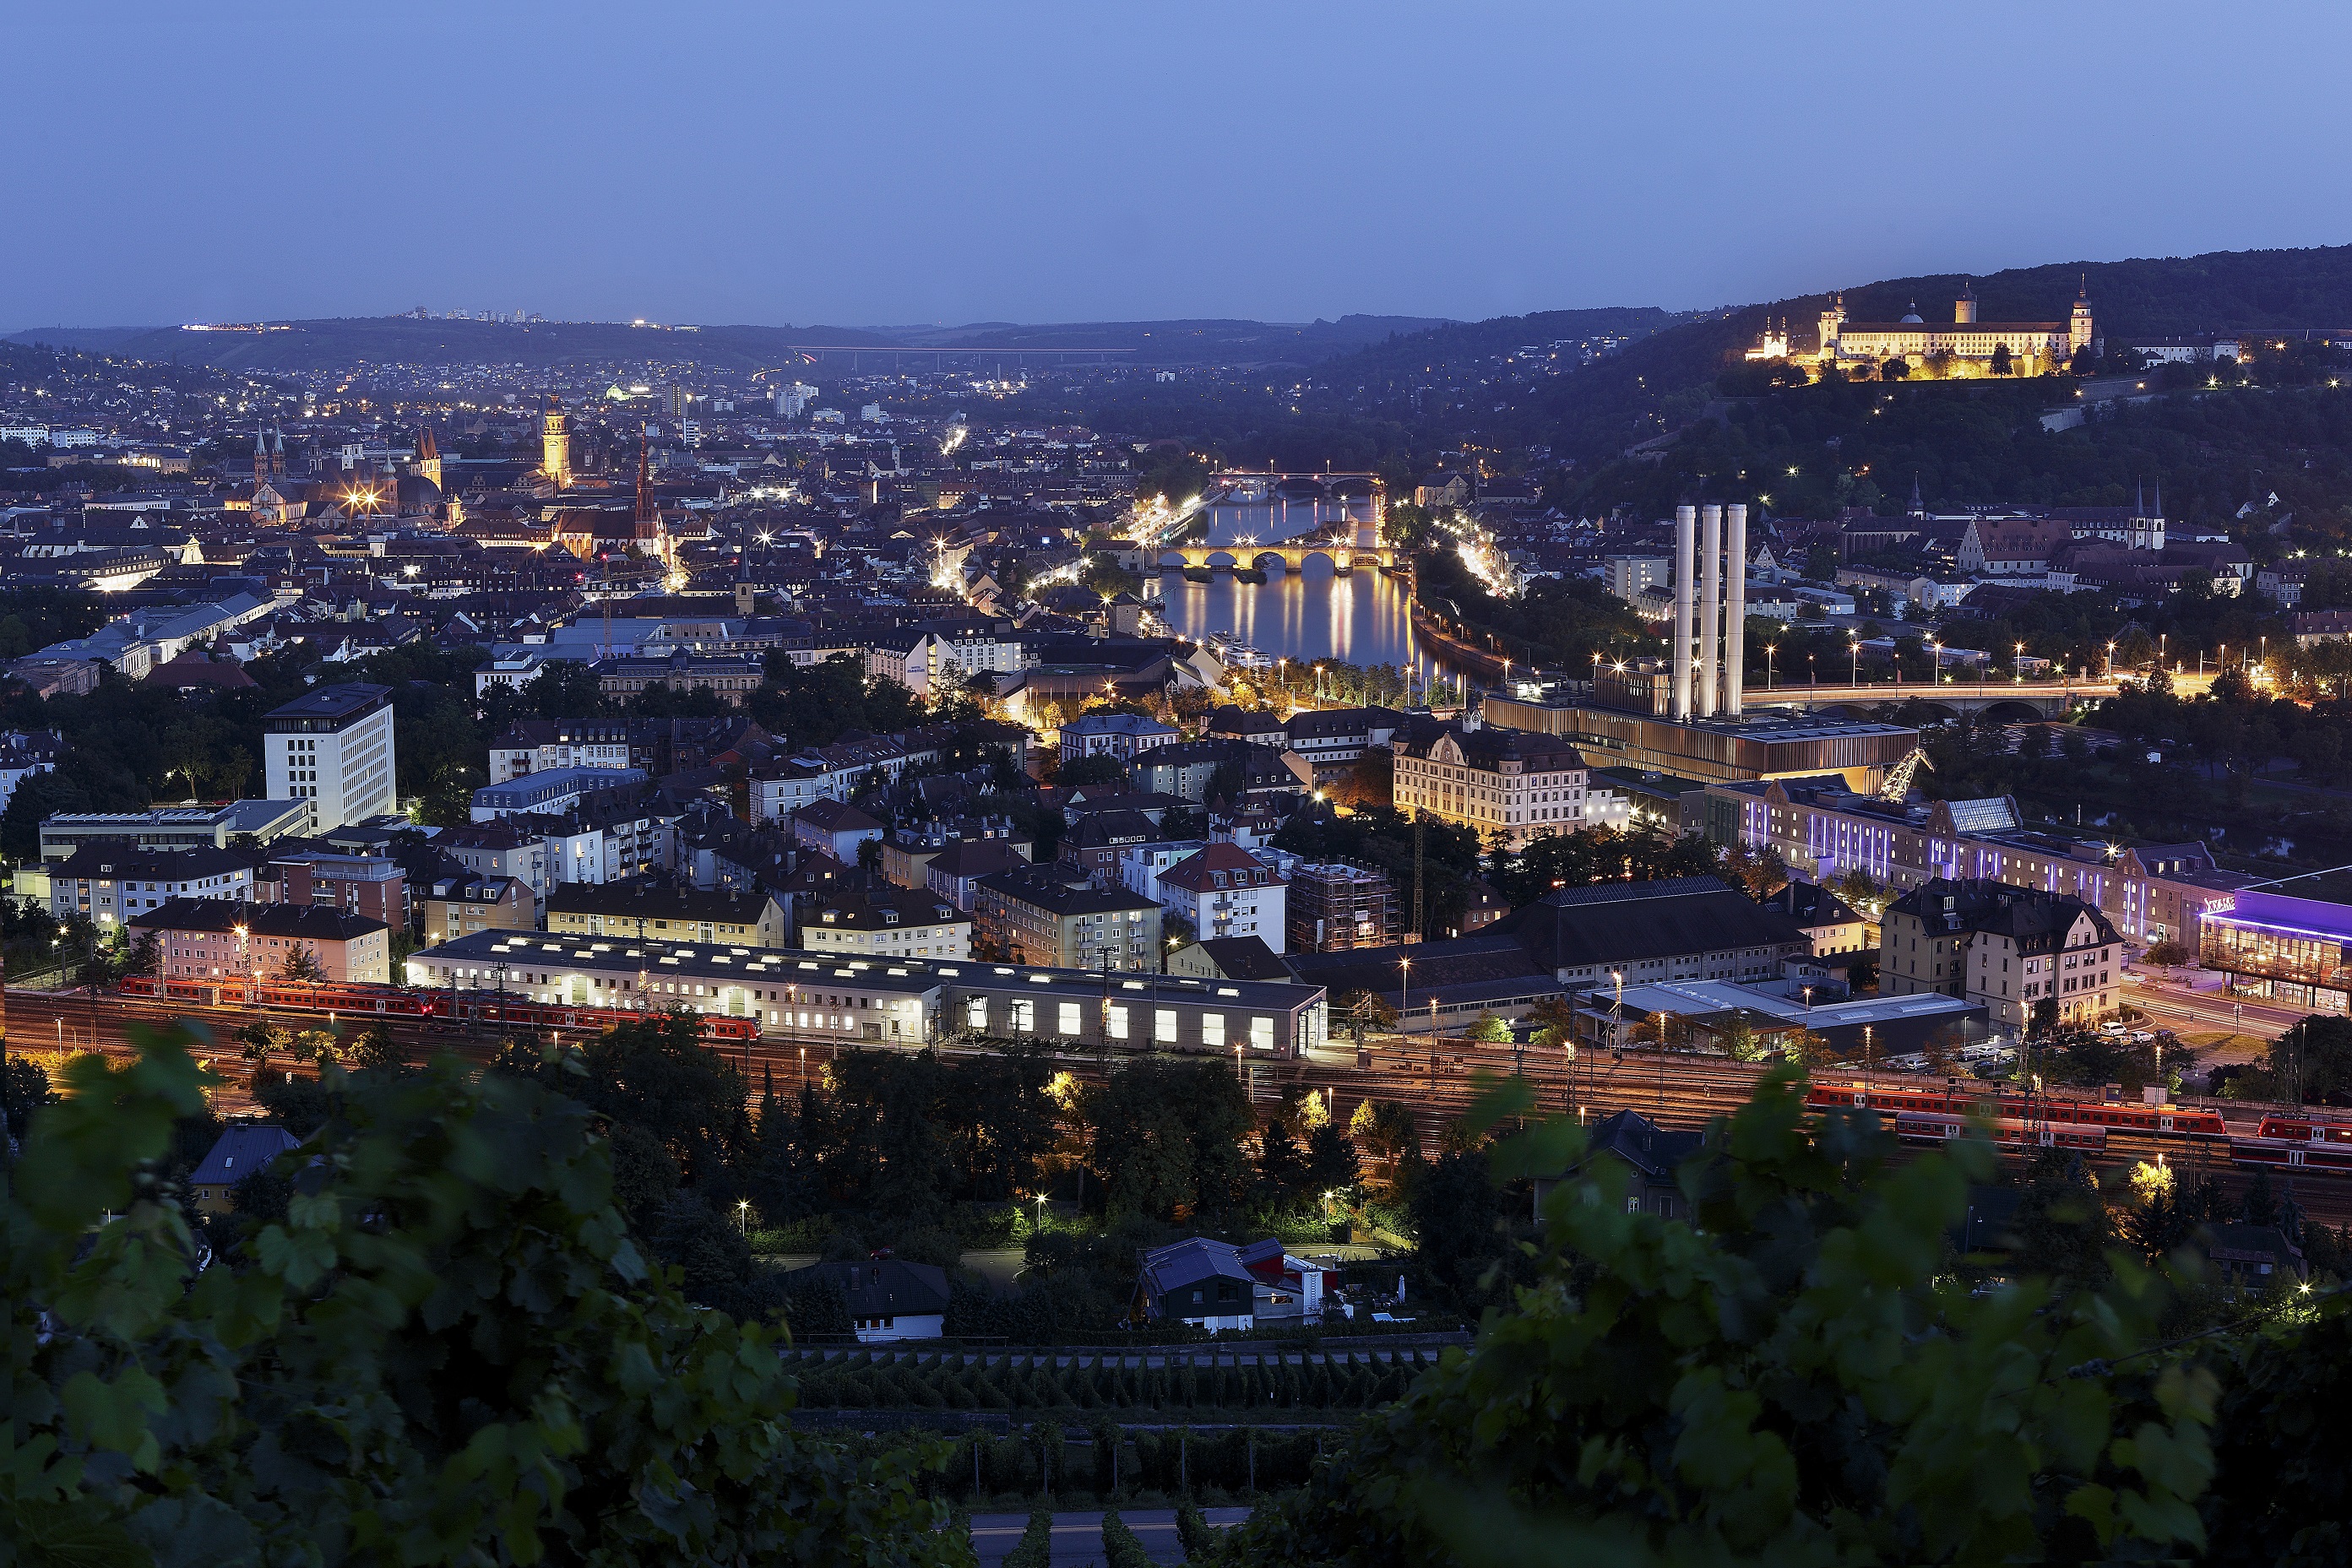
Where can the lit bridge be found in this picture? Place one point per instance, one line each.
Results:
(1290, 555)
(1951, 697)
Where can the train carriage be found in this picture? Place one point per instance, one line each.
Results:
(2120, 1116)
(2006, 1131)
(347, 1000)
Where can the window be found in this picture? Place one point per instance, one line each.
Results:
(975, 1012)
(1163, 1029)
(1067, 1022)
(1213, 1030)
(1262, 1034)
(1024, 1017)
(1117, 1022)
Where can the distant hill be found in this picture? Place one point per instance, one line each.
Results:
(1462, 342)
(1662, 381)
(406, 339)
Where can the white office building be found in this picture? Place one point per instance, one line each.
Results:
(333, 747)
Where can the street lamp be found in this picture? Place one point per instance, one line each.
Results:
(743, 1214)
(1768, 650)
(1404, 992)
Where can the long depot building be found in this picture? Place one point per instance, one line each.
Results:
(832, 999)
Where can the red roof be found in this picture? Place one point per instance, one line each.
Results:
(192, 669)
(1193, 874)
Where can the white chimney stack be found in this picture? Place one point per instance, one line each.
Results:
(1735, 627)
(1710, 606)
(1685, 520)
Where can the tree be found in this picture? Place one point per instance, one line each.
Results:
(376, 1051)
(1367, 1011)
(1282, 1170)
(2001, 363)
(1164, 1134)
(1674, 1392)
(302, 966)
(658, 1076)
(1895, 370)
(1099, 768)
(451, 1294)
(1386, 1131)
(1488, 1029)
(1332, 1164)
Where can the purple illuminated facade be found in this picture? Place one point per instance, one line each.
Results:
(2285, 941)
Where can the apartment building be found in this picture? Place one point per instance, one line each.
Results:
(886, 924)
(472, 901)
(109, 884)
(639, 907)
(1050, 916)
(1511, 786)
(219, 938)
(1224, 892)
(2020, 954)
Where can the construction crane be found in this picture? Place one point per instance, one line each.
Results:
(1897, 788)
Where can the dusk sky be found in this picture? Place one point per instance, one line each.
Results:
(896, 164)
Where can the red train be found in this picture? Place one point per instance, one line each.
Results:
(393, 1002)
(1892, 1100)
(2008, 1132)
(2297, 1143)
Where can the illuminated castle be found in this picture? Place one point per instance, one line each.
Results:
(555, 445)
(2034, 347)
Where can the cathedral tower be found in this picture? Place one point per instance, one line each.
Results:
(260, 456)
(555, 443)
(429, 455)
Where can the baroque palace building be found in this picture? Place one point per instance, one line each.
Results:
(2034, 347)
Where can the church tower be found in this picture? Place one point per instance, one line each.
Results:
(429, 455)
(277, 452)
(260, 456)
(2078, 333)
(555, 443)
(1964, 309)
(647, 511)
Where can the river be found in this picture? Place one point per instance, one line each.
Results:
(1302, 616)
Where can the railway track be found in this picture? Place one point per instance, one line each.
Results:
(1691, 1092)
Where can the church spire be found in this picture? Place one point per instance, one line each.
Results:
(646, 512)
(260, 456)
(1918, 507)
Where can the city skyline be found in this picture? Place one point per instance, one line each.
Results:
(737, 166)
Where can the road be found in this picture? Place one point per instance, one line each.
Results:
(1077, 1537)
(2191, 1000)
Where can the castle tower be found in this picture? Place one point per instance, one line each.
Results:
(1964, 309)
(2078, 334)
(429, 455)
(555, 443)
(1833, 321)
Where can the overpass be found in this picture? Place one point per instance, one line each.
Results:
(1290, 555)
(1953, 697)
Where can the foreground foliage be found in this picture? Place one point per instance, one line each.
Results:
(447, 1351)
(1793, 1378)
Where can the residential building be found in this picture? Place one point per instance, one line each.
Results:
(219, 938)
(1652, 1154)
(886, 924)
(1228, 958)
(1224, 891)
(109, 883)
(551, 790)
(1511, 786)
(501, 849)
(1333, 740)
(1839, 934)
(641, 906)
(373, 885)
(1334, 906)
(836, 999)
(1098, 840)
(243, 1149)
(836, 828)
(607, 839)
(2021, 953)
(890, 1298)
(1123, 736)
(333, 747)
(457, 905)
(731, 676)
(1047, 915)
(955, 872)
(540, 745)
(1215, 1285)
